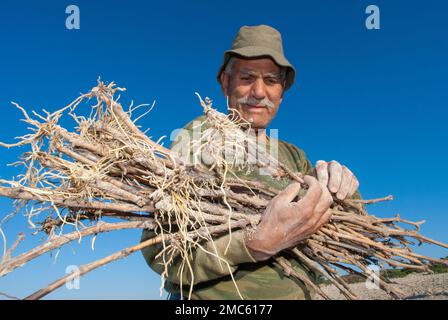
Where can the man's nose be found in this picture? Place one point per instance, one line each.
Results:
(258, 89)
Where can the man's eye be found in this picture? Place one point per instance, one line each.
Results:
(272, 80)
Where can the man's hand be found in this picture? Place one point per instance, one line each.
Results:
(286, 223)
(339, 179)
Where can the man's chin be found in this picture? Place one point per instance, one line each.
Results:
(258, 125)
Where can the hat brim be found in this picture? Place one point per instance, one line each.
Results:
(258, 52)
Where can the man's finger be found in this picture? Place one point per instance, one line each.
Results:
(353, 186)
(335, 172)
(322, 206)
(325, 201)
(324, 219)
(312, 196)
(289, 193)
(322, 172)
(346, 181)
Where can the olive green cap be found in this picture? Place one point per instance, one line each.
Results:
(259, 41)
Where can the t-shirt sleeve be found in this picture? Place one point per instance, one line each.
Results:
(208, 262)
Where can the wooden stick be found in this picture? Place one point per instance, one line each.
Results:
(8, 265)
(92, 266)
(289, 271)
(21, 193)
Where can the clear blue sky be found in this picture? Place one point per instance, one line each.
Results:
(373, 100)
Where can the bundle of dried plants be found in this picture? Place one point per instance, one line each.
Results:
(108, 168)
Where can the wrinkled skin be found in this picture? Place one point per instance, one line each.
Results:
(339, 179)
(239, 84)
(285, 223)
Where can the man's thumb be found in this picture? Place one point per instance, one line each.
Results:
(290, 192)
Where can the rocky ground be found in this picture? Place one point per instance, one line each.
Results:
(415, 287)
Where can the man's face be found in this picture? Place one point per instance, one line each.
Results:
(254, 89)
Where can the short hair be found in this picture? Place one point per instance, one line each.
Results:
(228, 69)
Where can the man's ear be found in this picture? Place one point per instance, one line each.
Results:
(224, 77)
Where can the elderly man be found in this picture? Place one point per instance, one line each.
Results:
(254, 77)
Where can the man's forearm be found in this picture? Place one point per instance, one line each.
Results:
(208, 262)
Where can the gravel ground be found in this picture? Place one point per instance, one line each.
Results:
(414, 286)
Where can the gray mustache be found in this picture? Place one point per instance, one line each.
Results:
(255, 102)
